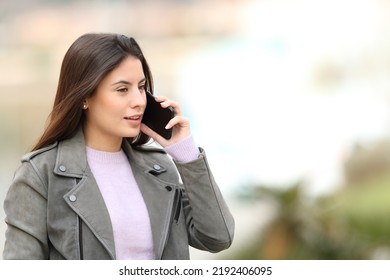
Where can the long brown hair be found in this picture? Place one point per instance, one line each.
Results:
(89, 59)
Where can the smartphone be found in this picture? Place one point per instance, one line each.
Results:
(157, 117)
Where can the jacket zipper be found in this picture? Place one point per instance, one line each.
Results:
(81, 239)
(177, 205)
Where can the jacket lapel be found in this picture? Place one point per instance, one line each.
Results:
(85, 198)
(159, 202)
(158, 195)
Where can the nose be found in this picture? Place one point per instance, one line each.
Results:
(138, 99)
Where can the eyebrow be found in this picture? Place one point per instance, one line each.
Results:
(126, 82)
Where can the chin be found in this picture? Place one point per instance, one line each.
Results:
(131, 134)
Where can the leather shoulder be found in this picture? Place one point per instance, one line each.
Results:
(27, 157)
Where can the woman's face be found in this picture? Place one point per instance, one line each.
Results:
(115, 110)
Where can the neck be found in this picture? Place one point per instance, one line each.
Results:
(102, 143)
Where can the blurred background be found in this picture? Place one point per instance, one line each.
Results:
(290, 99)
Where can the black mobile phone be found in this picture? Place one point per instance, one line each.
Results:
(157, 117)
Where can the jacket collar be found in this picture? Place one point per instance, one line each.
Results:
(71, 157)
(72, 160)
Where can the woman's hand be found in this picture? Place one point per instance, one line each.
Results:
(179, 124)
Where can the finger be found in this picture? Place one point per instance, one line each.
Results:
(154, 135)
(166, 102)
(173, 104)
(160, 98)
(178, 120)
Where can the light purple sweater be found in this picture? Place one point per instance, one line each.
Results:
(124, 201)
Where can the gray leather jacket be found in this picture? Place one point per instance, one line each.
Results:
(54, 209)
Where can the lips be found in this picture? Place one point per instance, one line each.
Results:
(133, 118)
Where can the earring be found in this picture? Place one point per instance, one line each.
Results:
(85, 106)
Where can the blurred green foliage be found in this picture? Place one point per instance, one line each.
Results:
(349, 224)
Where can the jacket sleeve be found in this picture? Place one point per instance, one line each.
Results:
(25, 210)
(209, 221)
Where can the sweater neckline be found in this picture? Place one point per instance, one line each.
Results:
(106, 157)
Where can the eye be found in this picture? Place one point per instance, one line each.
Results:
(122, 90)
(141, 88)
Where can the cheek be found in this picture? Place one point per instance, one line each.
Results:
(110, 107)
(102, 111)
(114, 107)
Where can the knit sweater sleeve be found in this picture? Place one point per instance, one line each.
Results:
(184, 151)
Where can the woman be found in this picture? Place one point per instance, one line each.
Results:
(92, 189)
